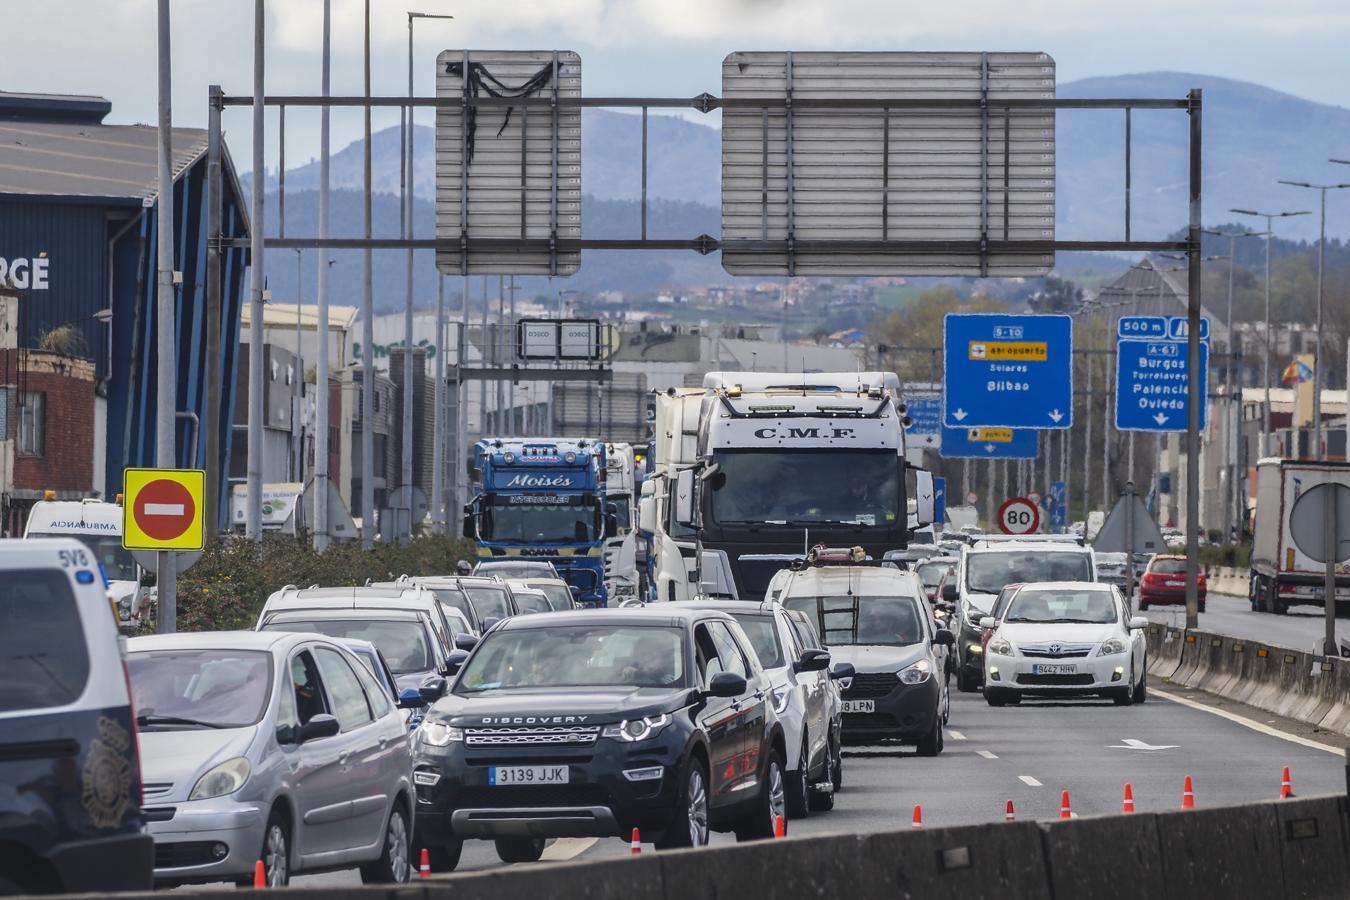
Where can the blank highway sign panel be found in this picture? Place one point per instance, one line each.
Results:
(888, 174)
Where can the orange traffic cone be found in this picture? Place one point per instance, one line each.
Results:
(918, 817)
(779, 828)
(1064, 811)
(1128, 805)
(635, 845)
(1008, 814)
(1187, 795)
(425, 868)
(259, 874)
(1286, 786)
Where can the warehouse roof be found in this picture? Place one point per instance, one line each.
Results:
(57, 146)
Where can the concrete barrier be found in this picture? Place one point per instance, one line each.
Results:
(1000, 862)
(1131, 868)
(1230, 852)
(826, 866)
(1313, 847)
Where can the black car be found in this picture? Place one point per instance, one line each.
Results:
(591, 724)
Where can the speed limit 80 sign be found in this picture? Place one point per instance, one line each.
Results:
(1018, 515)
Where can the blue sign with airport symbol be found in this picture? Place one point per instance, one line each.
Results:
(1152, 374)
(1007, 371)
(990, 443)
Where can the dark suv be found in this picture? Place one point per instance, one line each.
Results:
(591, 724)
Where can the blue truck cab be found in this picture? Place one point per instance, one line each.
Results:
(544, 498)
(70, 776)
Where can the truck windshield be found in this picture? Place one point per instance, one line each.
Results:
(619, 505)
(535, 522)
(988, 573)
(107, 548)
(803, 487)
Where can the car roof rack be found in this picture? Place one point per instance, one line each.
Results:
(994, 539)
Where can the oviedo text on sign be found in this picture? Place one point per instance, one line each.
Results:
(1007, 371)
(1152, 373)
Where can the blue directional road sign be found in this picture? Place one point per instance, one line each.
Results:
(925, 408)
(1059, 511)
(990, 443)
(1007, 371)
(1152, 373)
(939, 500)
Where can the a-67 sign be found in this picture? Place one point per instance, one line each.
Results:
(1019, 515)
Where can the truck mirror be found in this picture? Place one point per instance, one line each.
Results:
(647, 515)
(923, 496)
(684, 498)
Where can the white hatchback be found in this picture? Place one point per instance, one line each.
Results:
(1065, 638)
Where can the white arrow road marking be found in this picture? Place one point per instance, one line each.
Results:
(164, 509)
(959, 414)
(1160, 418)
(1056, 415)
(1028, 781)
(1136, 744)
(986, 754)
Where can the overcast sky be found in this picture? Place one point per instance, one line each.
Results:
(633, 47)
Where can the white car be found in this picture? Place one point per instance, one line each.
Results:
(1065, 638)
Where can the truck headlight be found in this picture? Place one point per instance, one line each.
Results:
(631, 731)
(439, 734)
(225, 778)
(1001, 646)
(918, 673)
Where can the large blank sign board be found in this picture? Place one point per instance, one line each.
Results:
(523, 176)
(797, 172)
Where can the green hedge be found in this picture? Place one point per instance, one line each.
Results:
(1232, 555)
(228, 586)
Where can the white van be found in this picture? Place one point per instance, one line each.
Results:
(98, 525)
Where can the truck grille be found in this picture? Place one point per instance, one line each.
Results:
(569, 736)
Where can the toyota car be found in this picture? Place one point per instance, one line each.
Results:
(591, 724)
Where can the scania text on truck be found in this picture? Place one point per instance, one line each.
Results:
(544, 498)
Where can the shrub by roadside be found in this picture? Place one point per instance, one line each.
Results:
(227, 587)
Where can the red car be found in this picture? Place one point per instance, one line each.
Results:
(1164, 581)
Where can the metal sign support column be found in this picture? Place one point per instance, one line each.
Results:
(1193, 396)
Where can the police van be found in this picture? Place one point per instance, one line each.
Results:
(70, 777)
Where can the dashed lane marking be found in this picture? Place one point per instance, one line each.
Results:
(1250, 723)
(986, 754)
(567, 848)
(1028, 781)
(955, 735)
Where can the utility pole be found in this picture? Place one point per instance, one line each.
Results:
(438, 428)
(253, 519)
(367, 331)
(321, 299)
(166, 380)
(297, 425)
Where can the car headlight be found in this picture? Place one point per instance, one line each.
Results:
(782, 696)
(918, 673)
(633, 730)
(1001, 646)
(1113, 646)
(439, 734)
(225, 778)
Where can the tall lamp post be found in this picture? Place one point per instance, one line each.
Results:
(1317, 351)
(1265, 363)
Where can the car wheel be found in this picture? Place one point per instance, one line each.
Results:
(1143, 605)
(276, 850)
(1141, 689)
(771, 803)
(965, 682)
(443, 857)
(994, 696)
(837, 774)
(691, 828)
(519, 849)
(799, 786)
(1200, 607)
(394, 865)
(823, 801)
(1122, 696)
(931, 743)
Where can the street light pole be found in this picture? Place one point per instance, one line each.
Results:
(321, 305)
(367, 328)
(166, 324)
(1265, 363)
(1317, 350)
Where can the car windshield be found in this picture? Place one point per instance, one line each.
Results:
(199, 688)
(531, 602)
(876, 621)
(931, 573)
(404, 644)
(558, 596)
(1086, 606)
(803, 487)
(988, 573)
(455, 599)
(534, 518)
(576, 656)
(107, 549)
(488, 602)
(1169, 566)
(515, 569)
(763, 634)
(44, 661)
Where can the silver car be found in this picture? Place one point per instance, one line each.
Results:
(270, 746)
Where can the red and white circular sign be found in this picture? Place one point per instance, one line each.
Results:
(164, 509)
(1018, 515)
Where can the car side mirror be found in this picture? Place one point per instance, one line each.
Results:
(727, 684)
(321, 725)
(465, 641)
(987, 622)
(1138, 622)
(489, 622)
(949, 593)
(944, 638)
(812, 660)
(455, 661)
(410, 698)
(842, 670)
(432, 690)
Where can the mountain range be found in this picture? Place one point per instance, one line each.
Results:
(1252, 137)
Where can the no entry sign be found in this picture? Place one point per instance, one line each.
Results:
(1018, 515)
(163, 509)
